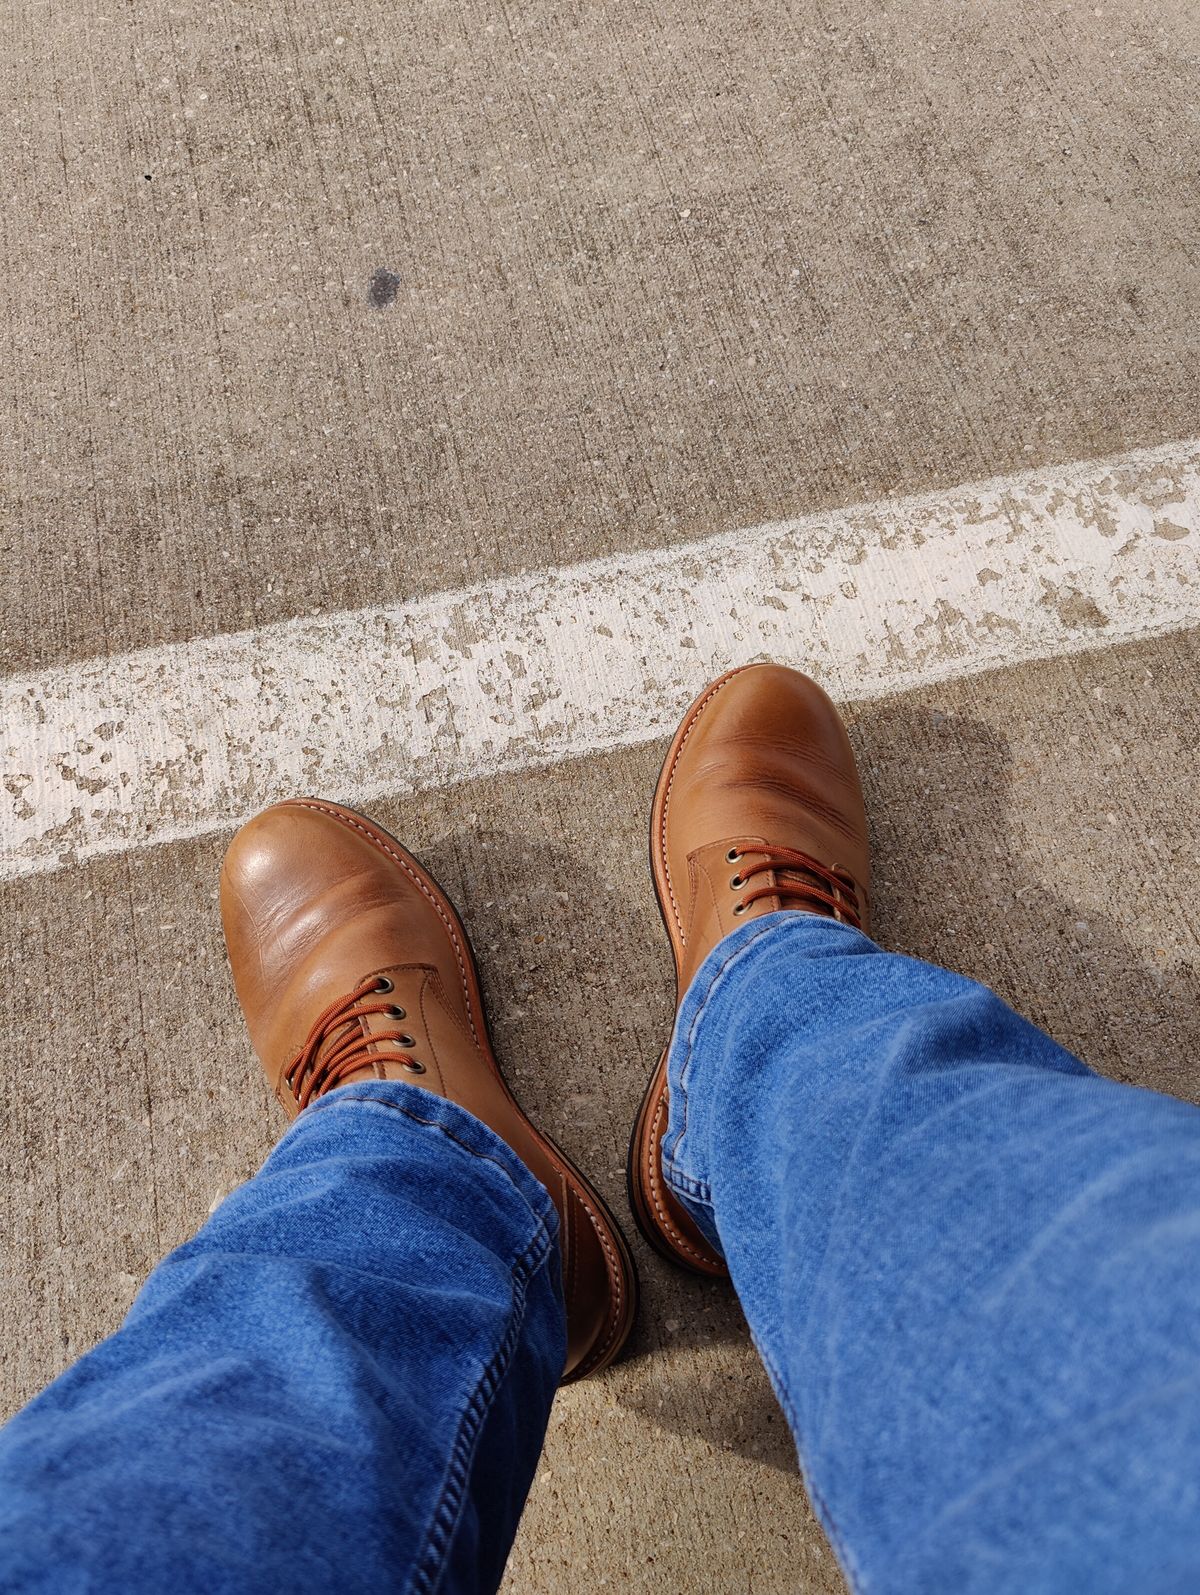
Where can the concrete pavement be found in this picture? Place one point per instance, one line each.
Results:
(314, 308)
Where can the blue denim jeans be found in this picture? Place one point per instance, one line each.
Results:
(970, 1265)
(341, 1384)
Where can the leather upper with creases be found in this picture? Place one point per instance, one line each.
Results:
(765, 761)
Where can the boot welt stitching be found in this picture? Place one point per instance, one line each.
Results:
(691, 726)
(617, 1291)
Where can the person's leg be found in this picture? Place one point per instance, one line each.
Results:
(972, 1266)
(341, 1383)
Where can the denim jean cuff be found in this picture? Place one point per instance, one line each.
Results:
(410, 1108)
(740, 970)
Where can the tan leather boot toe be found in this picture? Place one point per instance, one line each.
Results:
(758, 808)
(351, 964)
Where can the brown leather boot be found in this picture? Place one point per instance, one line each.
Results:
(758, 808)
(351, 964)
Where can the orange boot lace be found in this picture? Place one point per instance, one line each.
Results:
(799, 878)
(310, 1075)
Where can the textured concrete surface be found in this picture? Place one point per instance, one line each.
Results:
(652, 270)
(311, 307)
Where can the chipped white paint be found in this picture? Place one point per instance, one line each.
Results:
(170, 742)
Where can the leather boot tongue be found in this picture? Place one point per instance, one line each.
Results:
(369, 1071)
(802, 877)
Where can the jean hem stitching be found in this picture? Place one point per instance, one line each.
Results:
(447, 1512)
(854, 1574)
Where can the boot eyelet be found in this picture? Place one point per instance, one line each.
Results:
(404, 1041)
(739, 909)
(736, 884)
(383, 984)
(732, 856)
(412, 1066)
(395, 1012)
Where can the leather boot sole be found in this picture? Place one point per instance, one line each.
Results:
(622, 1273)
(659, 1215)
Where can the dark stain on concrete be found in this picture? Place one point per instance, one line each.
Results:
(383, 289)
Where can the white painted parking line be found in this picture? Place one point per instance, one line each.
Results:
(170, 742)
